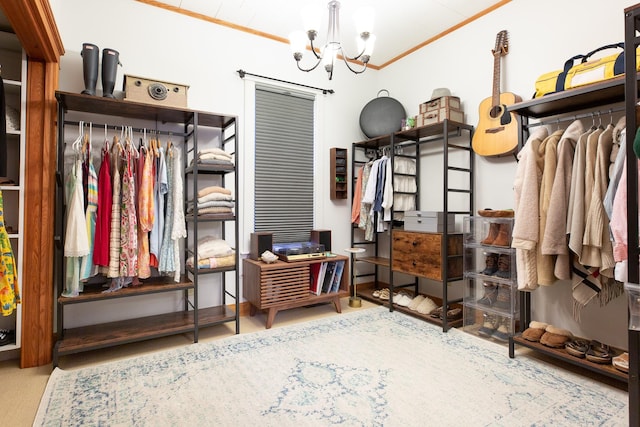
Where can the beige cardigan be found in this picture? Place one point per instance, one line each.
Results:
(526, 207)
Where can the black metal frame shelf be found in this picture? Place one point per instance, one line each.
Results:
(164, 120)
(438, 133)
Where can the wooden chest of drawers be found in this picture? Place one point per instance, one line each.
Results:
(421, 254)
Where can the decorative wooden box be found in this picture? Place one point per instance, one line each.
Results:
(140, 89)
(421, 254)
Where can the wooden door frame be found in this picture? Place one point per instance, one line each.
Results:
(35, 26)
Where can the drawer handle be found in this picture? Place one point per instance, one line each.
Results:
(415, 243)
(414, 263)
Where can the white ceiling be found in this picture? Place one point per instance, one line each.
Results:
(399, 25)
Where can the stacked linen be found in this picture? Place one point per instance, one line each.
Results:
(213, 200)
(214, 157)
(213, 253)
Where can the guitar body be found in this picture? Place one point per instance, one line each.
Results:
(497, 133)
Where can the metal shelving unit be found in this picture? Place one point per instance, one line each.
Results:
(192, 317)
(410, 144)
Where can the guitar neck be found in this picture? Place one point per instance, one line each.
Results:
(495, 95)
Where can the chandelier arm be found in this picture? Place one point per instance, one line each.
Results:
(346, 62)
(355, 58)
(309, 69)
(313, 50)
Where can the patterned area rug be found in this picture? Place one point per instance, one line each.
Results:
(367, 368)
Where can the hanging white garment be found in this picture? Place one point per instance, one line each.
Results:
(179, 230)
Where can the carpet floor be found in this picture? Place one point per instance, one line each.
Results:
(366, 368)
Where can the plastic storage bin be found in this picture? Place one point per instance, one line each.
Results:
(633, 292)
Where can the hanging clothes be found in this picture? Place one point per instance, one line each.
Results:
(554, 240)
(114, 229)
(548, 154)
(166, 263)
(76, 242)
(128, 223)
(87, 268)
(525, 232)
(179, 229)
(9, 288)
(103, 212)
(160, 190)
(146, 213)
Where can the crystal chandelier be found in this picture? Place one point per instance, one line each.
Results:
(328, 53)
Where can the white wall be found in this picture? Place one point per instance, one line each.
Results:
(543, 34)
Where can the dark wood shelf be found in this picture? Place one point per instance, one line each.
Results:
(589, 96)
(561, 354)
(435, 131)
(151, 286)
(139, 110)
(111, 334)
(366, 293)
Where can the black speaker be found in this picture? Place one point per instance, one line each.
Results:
(260, 242)
(323, 237)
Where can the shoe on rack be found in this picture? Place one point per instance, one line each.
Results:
(494, 228)
(621, 362)
(577, 347)
(555, 337)
(490, 294)
(535, 331)
(427, 306)
(502, 333)
(402, 300)
(504, 236)
(503, 298)
(504, 266)
(599, 353)
(7, 336)
(415, 302)
(491, 264)
(489, 325)
(452, 314)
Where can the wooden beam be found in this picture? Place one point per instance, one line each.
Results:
(33, 23)
(37, 281)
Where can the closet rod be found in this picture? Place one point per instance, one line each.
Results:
(99, 126)
(576, 117)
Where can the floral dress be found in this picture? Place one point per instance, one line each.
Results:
(128, 224)
(9, 290)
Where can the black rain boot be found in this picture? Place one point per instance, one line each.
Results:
(90, 53)
(110, 62)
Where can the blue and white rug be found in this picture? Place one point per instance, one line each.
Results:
(366, 368)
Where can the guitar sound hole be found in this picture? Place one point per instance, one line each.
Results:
(495, 112)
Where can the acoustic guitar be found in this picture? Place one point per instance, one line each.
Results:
(497, 131)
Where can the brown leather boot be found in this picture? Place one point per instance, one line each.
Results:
(494, 228)
(504, 236)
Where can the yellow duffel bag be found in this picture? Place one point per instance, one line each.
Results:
(585, 72)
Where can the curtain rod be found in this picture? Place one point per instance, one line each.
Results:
(243, 73)
(576, 117)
